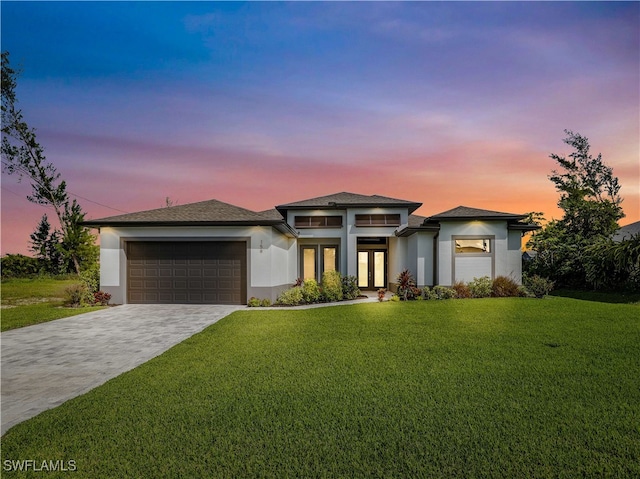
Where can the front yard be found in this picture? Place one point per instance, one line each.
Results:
(32, 301)
(510, 387)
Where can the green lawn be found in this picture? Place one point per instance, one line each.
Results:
(32, 301)
(515, 387)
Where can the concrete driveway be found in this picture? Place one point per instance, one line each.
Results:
(46, 364)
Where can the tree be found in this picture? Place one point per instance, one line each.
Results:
(46, 246)
(588, 191)
(589, 197)
(24, 156)
(77, 243)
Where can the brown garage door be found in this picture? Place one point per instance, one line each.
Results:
(194, 272)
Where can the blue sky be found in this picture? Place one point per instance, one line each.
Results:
(259, 104)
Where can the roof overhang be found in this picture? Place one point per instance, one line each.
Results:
(281, 226)
(523, 227)
(343, 206)
(405, 231)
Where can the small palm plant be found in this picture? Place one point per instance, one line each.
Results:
(406, 285)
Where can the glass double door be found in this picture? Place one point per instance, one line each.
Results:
(372, 269)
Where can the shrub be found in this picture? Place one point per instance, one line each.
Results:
(101, 298)
(406, 285)
(462, 290)
(427, 293)
(310, 291)
(480, 287)
(253, 302)
(19, 266)
(350, 287)
(77, 295)
(331, 286)
(442, 292)
(91, 278)
(504, 287)
(381, 293)
(395, 298)
(538, 286)
(290, 297)
(256, 302)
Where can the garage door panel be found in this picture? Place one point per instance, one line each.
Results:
(186, 272)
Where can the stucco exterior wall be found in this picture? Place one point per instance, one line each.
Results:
(354, 232)
(505, 261)
(419, 258)
(271, 256)
(397, 259)
(349, 233)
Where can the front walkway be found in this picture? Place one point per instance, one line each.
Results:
(46, 364)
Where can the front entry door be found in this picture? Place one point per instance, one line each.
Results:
(372, 269)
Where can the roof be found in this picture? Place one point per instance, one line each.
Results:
(465, 213)
(272, 214)
(211, 212)
(416, 221)
(626, 232)
(345, 199)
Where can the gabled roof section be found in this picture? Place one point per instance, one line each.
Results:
(627, 232)
(415, 224)
(273, 214)
(203, 213)
(349, 200)
(467, 213)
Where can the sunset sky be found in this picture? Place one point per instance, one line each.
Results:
(259, 104)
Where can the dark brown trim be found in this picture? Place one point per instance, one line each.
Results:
(317, 221)
(377, 219)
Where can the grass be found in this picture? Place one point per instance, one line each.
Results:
(599, 296)
(32, 301)
(511, 387)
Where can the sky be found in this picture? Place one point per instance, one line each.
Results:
(264, 103)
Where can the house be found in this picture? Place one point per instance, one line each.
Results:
(627, 232)
(215, 252)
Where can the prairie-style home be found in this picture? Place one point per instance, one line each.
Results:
(217, 253)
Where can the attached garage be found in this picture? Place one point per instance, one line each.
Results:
(187, 272)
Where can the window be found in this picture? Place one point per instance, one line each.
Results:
(329, 258)
(378, 220)
(318, 221)
(309, 263)
(313, 265)
(475, 245)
